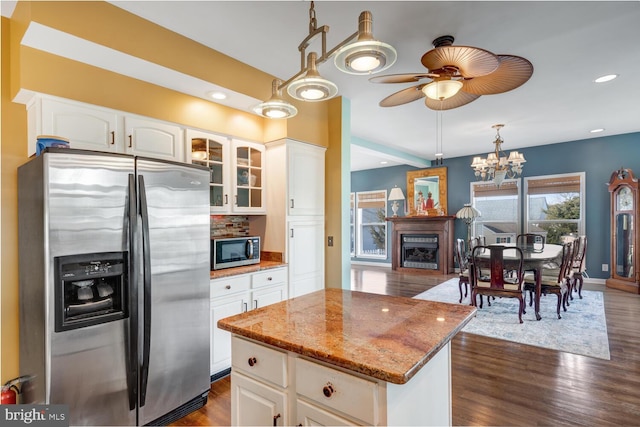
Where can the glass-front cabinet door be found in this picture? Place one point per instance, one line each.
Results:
(249, 186)
(212, 151)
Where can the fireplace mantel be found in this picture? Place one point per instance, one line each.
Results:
(442, 226)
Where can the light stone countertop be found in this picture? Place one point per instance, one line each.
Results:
(384, 337)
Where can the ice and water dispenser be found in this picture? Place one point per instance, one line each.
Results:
(90, 289)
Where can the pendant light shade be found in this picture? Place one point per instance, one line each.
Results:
(275, 107)
(312, 87)
(366, 55)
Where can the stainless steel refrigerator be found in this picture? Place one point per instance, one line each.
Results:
(114, 286)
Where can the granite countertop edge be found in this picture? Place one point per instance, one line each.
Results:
(379, 372)
(234, 271)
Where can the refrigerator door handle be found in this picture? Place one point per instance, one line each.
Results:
(132, 354)
(146, 255)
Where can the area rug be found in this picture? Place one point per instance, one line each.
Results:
(582, 329)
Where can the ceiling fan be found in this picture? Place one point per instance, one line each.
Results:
(459, 75)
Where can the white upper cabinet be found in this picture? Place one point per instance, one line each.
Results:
(213, 152)
(305, 179)
(90, 127)
(236, 169)
(248, 175)
(151, 138)
(86, 128)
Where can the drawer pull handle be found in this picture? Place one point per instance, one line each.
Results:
(228, 287)
(252, 361)
(269, 278)
(328, 390)
(275, 420)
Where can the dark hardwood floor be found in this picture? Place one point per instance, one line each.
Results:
(500, 383)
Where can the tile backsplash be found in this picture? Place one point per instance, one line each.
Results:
(229, 226)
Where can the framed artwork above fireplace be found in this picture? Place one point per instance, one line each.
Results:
(427, 192)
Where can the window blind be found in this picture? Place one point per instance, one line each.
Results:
(554, 185)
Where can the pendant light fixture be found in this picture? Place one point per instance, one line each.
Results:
(498, 166)
(276, 107)
(312, 87)
(365, 55)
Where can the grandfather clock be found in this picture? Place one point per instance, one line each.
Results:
(625, 232)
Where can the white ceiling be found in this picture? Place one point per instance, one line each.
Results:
(569, 43)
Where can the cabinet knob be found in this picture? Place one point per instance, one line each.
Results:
(252, 361)
(275, 420)
(328, 390)
(228, 287)
(269, 278)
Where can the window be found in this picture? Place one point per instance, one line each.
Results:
(370, 225)
(499, 220)
(554, 206)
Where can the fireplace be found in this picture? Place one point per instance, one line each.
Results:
(422, 244)
(420, 251)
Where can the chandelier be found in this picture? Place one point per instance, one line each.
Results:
(497, 166)
(363, 56)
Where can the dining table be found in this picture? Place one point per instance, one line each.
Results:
(534, 260)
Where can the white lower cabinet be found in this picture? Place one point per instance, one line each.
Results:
(312, 415)
(234, 295)
(275, 387)
(259, 403)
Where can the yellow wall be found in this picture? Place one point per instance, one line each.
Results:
(12, 154)
(338, 185)
(100, 22)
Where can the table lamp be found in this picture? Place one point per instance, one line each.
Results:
(468, 214)
(395, 194)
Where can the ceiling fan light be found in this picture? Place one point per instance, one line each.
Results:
(312, 89)
(442, 89)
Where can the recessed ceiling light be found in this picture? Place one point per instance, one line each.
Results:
(217, 95)
(597, 130)
(606, 78)
(384, 162)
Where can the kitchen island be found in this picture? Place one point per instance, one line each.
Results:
(338, 357)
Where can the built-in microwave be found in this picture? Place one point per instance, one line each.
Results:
(234, 252)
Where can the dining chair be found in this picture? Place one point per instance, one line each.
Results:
(530, 242)
(578, 267)
(556, 281)
(477, 241)
(498, 283)
(460, 253)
